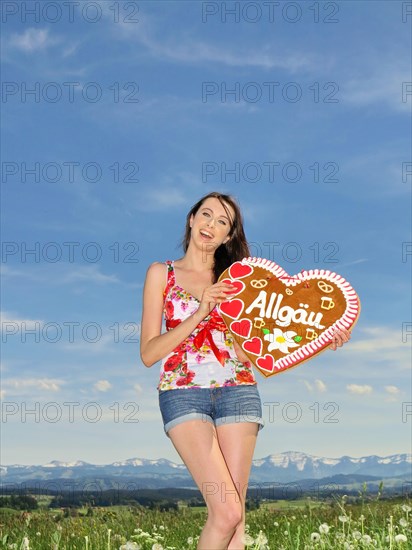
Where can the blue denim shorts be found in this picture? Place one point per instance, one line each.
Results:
(219, 406)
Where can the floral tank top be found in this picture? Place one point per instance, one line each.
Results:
(207, 358)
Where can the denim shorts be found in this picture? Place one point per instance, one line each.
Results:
(219, 406)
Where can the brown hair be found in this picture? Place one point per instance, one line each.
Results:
(235, 248)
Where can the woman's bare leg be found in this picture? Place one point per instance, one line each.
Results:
(237, 442)
(197, 444)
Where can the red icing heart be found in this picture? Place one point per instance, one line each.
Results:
(238, 284)
(232, 308)
(266, 363)
(239, 270)
(242, 327)
(291, 317)
(253, 346)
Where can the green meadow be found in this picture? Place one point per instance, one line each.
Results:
(338, 523)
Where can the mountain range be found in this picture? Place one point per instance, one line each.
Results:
(279, 468)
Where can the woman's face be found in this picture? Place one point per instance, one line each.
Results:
(211, 225)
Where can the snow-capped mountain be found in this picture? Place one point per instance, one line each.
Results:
(281, 467)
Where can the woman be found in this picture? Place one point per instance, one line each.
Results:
(208, 420)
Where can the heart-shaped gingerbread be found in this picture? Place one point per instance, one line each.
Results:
(279, 320)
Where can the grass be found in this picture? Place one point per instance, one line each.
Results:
(303, 524)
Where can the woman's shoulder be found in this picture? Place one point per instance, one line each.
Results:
(156, 275)
(157, 269)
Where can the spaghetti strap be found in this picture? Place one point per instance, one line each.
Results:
(170, 277)
(171, 272)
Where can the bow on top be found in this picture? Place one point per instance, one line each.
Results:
(214, 323)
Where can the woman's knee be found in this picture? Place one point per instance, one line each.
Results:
(225, 517)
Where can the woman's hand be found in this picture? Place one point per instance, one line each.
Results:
(215, 294)
(340, 336)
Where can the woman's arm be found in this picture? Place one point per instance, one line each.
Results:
(154, 345)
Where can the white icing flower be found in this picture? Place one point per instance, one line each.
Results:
(281, 340)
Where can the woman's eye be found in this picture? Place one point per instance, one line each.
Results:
(222, 221)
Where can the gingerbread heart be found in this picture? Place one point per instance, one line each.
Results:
(279, 320)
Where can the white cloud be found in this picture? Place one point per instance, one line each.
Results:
(102, 385)
(62, 273)
(360, 390)
(380, 343)
(48, 384)
(138, 388)
(187, 49)
(12, 325)
(321, 386)
(382, 85)
(32, 40)
(393, 390)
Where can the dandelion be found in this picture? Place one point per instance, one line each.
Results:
(406, 508)
(276, 524)
(157, 546)
(25, 544)
(261, 539)
(247, 540)
(356, 535)
(366, 539)
(348, 546)
(38, 534)
(343, 519)
(403, 522)
(190, 541)
(130, 546)
(315, 537)
(400, 538)
(324, 528)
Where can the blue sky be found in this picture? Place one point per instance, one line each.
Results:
(119, 171)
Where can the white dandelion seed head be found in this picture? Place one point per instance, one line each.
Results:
(247, 540)
(401, 538)
(130, 545)
(261, 539)
(315, 537)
